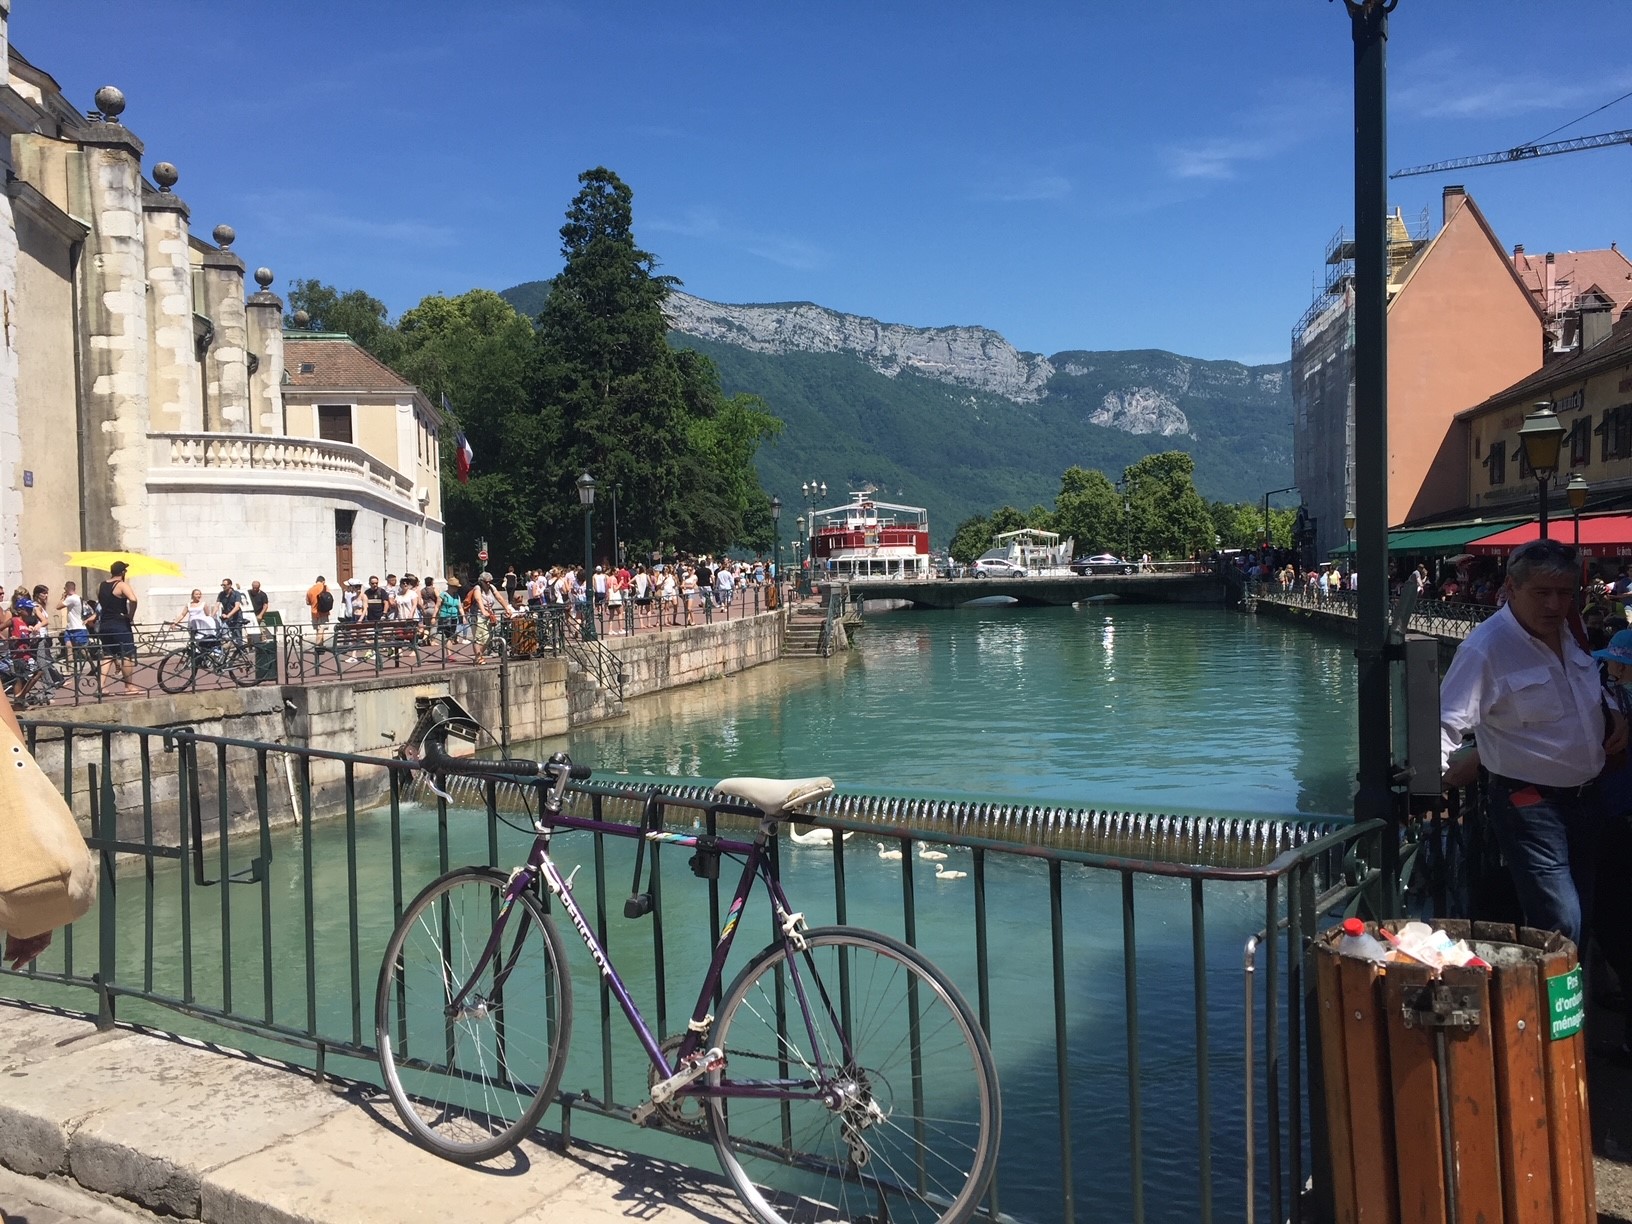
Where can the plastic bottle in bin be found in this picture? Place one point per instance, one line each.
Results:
(1359, 943)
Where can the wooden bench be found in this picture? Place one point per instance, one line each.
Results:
(371, 637)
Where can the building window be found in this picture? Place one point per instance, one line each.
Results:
(334, 422)
(1496, 462)
(1603, 435)
(1620, 432)
(1581, 442)
(1524, 461)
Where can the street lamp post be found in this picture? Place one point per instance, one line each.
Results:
(1541, 436)
(1288, 489)
(1348, 526)
(586, 498)
(776, 536)
(1576, 491)
(617, 548)
(798, 556)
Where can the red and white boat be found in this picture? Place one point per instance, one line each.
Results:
(870, 539)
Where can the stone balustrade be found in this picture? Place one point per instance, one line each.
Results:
(242, 453)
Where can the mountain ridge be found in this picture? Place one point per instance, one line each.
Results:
(959, 420)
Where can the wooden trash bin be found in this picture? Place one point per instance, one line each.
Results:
(1460, 1099)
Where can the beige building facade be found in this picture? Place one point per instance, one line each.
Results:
(148, 405)
(1592, 394)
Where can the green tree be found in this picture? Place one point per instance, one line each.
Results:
(608, 380)
(1166, 516)
(1089, 509)
(362, 317)
(478, 355)
(973, 537)
(711, 513)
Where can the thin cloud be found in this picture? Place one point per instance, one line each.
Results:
(706, 225)
(1444, 86)
(1284, 115)
(288, 213)
(1037, 189)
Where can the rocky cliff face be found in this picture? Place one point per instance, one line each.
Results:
(1141, 410)
(963, 356)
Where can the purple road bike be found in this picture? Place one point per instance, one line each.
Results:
(842, 1077)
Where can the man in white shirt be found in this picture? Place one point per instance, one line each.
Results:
(1532, 696)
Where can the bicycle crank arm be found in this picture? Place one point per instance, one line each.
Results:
(663, 1091)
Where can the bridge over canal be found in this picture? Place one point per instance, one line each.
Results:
(1049, 591)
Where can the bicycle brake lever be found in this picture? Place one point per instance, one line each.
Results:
(430, 785)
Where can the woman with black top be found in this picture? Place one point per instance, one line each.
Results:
(117, 601)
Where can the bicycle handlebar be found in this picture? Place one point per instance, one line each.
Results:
(435, 758)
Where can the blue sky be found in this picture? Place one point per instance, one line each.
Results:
(1074, 175)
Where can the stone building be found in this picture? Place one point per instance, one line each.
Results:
(147, 405)
(1461, 325)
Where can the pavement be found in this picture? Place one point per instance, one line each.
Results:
(127, 1126)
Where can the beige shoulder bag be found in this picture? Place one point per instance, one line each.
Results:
(47, 873)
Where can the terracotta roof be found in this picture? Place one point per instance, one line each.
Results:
(332, 363)
(1578, 271)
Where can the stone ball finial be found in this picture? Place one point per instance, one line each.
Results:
(263, 277)
(110, 100)
(224, 236)
(302, 319)
(165, 175)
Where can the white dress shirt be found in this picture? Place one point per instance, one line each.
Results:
(1536, 717)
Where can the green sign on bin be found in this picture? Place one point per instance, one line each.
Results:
(1566, 1005)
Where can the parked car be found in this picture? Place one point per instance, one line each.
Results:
(1102, 563)
(996, 567)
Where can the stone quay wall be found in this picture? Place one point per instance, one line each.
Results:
(529, 699)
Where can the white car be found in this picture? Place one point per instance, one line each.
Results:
(996, 567)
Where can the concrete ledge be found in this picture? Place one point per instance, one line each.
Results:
(201, 1132)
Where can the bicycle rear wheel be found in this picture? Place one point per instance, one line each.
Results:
(238, 662)
(902, 1119)
(178, 670)
(473, 1084)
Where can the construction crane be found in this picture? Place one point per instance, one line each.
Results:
(1522, 153)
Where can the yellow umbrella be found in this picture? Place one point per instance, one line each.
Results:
(138, 565)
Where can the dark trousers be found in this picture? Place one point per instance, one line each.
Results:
(1549, 836)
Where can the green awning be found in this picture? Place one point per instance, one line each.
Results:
(1429, 541)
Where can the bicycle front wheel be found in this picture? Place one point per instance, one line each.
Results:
(891, 1112)
(471, 1082)
(178, 670)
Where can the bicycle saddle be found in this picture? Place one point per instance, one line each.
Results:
(776, 797)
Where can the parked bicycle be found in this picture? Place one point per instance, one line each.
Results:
(178, 670)
(842, 1078)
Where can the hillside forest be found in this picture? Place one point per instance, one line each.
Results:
(597, 383)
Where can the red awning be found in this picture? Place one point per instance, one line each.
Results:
(1605, 535)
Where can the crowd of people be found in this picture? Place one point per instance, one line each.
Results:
(621, 599)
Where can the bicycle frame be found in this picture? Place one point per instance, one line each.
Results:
(540, 867)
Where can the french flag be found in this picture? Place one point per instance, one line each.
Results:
(462, 456)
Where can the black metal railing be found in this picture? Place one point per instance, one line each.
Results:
(167, 659)
(251, 886)
(1439, 617)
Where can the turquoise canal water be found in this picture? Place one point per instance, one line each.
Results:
(1155, 709)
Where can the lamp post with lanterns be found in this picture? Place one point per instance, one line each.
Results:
(776, 536)
(586, 498)
(1348, 526)
(1541, 436)
(798, 556)
(1576, 491)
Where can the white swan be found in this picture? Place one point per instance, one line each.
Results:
(934, 856)
(816, 837)
(941, 873)
(884, 852)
